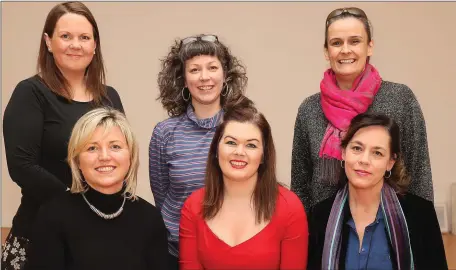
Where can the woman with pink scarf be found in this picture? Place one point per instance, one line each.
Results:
(350, 87)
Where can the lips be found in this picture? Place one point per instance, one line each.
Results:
(238, 164)
(346, 61)
(205, 87)
(362, 173)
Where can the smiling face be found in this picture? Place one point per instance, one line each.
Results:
(204, 78)
(72, 43)
(367, 157)
(105, 160)
(348, 47)
(240, 151)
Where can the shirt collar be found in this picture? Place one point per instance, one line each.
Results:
(207, 123)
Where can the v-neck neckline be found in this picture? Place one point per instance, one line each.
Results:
(245, 242)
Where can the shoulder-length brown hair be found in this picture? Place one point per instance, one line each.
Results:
(48, 70)
(399, 180)
(266, 190)
(171, 78)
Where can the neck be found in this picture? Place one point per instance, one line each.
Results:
(76, 81)
(203, 111)
(108, 190)
(365, 200)
(345, 82)
(239, 190)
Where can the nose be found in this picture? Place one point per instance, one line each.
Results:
(239, 150)
(345, 48)
(365, 158)
(204, 75)
(75, 44)
(104, 154)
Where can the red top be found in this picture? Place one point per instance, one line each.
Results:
(282, 244)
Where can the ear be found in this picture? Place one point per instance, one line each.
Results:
(343, 154)
(325, 51)
(370, 48)
(47, 39)
(391, 162)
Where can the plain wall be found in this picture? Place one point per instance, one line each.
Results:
(280, 43)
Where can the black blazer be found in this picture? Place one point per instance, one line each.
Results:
(425, 236)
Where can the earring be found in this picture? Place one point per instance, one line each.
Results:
(49, 49)
(94, 52)
(342, 163)
(183, 96)
(226, 89)
(388, 175)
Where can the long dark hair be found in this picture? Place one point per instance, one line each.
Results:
(266, 189)
(48, 70)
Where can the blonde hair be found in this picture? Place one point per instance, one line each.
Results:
(83, 130)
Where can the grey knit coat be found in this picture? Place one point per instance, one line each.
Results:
(393, 99)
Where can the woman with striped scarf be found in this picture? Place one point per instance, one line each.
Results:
(372, 222)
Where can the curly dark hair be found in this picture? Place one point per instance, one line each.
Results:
(171, 78)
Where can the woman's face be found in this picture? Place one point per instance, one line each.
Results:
(367, 157)
(348, 47)
(105, 160)
(204, 79)
(240, 151)
(72, 44)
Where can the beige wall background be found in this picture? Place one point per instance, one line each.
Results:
(280, 43)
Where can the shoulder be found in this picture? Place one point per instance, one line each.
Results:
(145, 208)
(289, 201)
(412, 202)
(112, 92)
(31, 86)
(194, 202)
(58, 205)
(164, 128)
(396, 90)
(309, 104)
(320, 212)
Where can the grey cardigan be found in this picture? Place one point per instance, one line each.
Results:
(393, 99)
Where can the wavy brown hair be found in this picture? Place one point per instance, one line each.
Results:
(264, 196)
(399, 180)
(48, 70)
(171, 78)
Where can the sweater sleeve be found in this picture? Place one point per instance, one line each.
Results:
(48, 246)
(22, 129)
(301, 164)
(188, 244)
(295, 243)
(158, 167)
(415, 148)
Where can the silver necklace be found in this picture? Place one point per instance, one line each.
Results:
(103, 215)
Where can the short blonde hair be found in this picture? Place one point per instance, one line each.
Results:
(84, 129)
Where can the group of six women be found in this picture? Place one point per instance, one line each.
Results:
(361, 190)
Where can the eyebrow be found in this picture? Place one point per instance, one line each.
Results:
(66, 31)
(212, 62)
(249, 140)
(109, 142)
(360, 143)
(360, 37)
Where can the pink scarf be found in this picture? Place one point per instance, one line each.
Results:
(340, 106)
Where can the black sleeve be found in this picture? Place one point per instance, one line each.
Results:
(435, 257)
(157, 255)
(114, 97)
(47, 248)
(301, 165)
(22, 129)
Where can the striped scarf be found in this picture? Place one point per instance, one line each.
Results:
(396, 226)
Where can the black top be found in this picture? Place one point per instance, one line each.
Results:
(424, 232)
(37, 125)
(69, 235)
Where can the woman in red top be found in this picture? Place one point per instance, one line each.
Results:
(242, 218)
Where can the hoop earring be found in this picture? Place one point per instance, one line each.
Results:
(342, 163)
(388, 175)
(226, 89)
(183, 96)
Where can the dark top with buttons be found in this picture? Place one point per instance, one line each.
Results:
(375, 252)
(37, 125)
